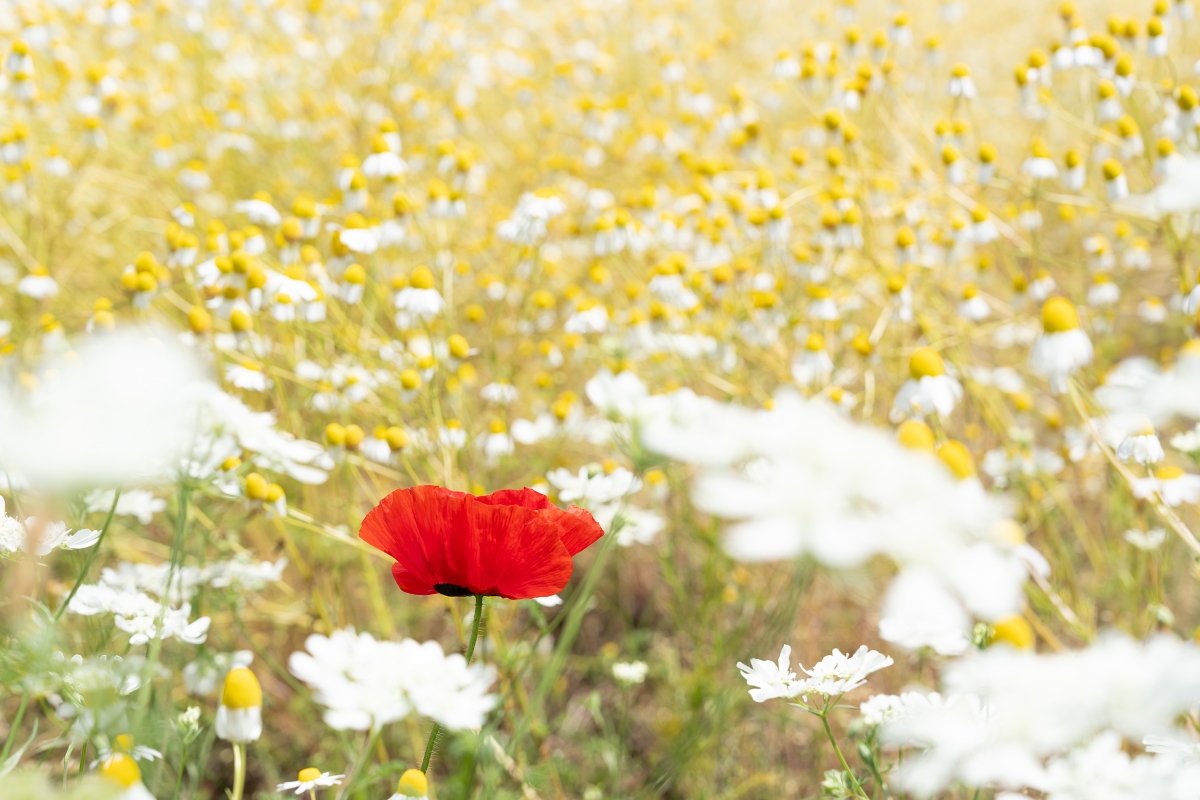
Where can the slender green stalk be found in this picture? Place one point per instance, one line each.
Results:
(571, 628)
(16, 724)
(361, 761)
(841, 758)
(239, 770)
(91, 556)
(437, 728)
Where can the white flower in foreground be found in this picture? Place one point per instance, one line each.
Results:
(1063, 348)
(364, 683)
(1186, 750)
(310, 778)
(1011, 710)
(803, 479)
(138, 503)
(123, 408)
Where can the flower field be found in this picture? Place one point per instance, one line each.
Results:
(582, 401)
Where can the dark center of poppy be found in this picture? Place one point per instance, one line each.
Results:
(452, 590)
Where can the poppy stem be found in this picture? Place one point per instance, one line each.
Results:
(476, 624)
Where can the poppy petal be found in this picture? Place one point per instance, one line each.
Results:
(578, 530)
(516, 555)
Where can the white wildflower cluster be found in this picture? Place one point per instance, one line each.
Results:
(365, 683)
(831, 677)
(1055, 723)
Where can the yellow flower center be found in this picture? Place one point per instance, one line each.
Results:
(309, 774)
(421, 278)
(413, 783)
(916, 435)
(1168, 473)
(925, 362)
(121, 769)
(958, 458)
(241, 689)
(1014, 630)
(1058, 315)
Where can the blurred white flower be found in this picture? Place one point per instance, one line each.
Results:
(630, 673)
(364, 683)
(121, 407)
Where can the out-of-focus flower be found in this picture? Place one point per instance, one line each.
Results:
(239, 716)
(123, 408)
(365, 683)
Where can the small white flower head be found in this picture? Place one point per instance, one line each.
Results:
(1146, 541)
(239, 717)
(309, 779)
(630, 673)
(838, 673)
(929, 389)
(961, 83)
(769, 680)
(1063, 348)
(1142, 446)
(1115, 182)
(1171, 483)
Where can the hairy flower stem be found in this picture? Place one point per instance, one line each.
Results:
(437, 728)
(239, 770)
(91, 556)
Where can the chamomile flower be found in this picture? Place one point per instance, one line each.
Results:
(239, 716)
(929, 389)
(1171, 483)
(309, 780)
(1063, 348)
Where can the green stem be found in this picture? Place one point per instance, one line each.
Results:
(239, 770)
(437, 728)
(12, 733)
(841, 758)
(579, 607)
(91, 556)
(361, 761)
(179, 774)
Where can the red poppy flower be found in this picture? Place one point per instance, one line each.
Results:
(514, 543)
